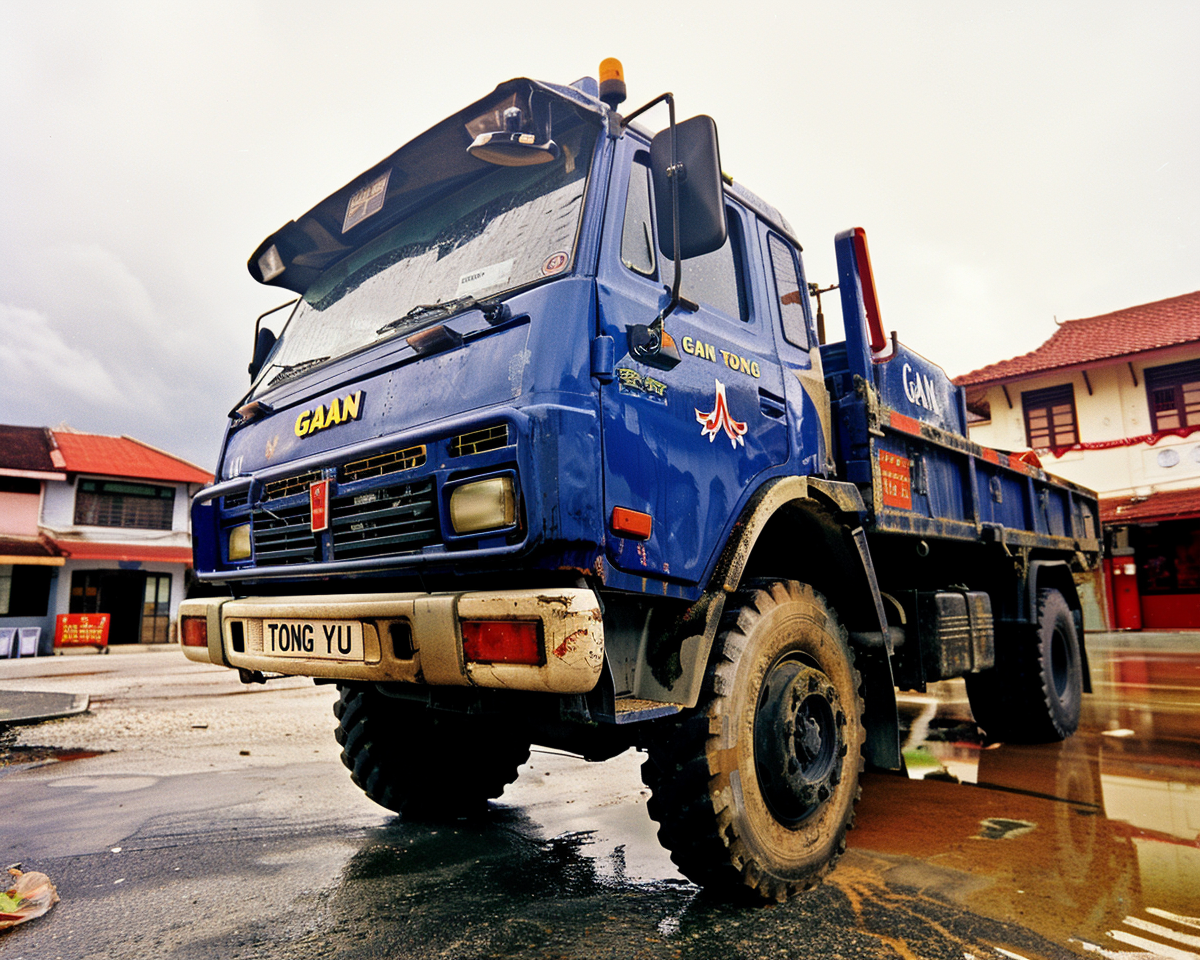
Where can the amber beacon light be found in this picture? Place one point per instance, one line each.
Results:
(612, 82)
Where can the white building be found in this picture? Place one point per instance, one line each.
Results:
(1113, 402)
(92, 524)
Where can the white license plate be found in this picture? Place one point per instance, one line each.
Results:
(313, 639)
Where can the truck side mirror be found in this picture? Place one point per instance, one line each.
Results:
(263, 345)
(697, 173)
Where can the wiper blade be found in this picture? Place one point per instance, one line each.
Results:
(493, 311)
(294, 370)
(430, 311)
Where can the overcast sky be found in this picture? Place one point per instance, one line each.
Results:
(1011, 162)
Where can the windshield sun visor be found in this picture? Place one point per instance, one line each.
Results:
(432, 164)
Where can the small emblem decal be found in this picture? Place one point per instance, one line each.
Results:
(554, 263)
(719, 419)
(318, 502)
(366, 202)
(632, 383)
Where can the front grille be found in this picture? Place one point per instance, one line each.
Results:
(478, 441)
(284, 536)
(277, 489)
(395, 519)
(382, 464)
(232, 500)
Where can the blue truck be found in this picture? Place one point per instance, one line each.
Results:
(551, 450)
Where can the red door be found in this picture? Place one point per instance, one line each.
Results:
(1127, 602)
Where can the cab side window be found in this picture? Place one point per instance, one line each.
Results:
(790, 296)
(716, 279)
(637, 236)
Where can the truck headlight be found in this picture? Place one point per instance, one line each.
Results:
(239, 542)
(483, 505)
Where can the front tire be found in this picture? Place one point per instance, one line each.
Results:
(1034, 694)
(755, 788)
(420, 763)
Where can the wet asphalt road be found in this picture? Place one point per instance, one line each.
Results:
(214, 820)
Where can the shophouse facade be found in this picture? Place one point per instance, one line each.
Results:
(1113, 402)
(92, 524)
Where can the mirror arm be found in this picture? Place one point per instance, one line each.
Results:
(652, 345)
(253, 369)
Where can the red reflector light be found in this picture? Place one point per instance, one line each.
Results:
(195, 631)
(631, 523)
(502, 641)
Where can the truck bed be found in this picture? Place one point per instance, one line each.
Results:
(920, 475)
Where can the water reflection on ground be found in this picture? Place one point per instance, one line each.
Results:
(1085, 848)
(1095, 842)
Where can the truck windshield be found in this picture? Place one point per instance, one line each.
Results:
(503, 229)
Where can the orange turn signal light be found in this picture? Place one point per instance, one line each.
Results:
(502, 641)
(194, 631)
(631, 523)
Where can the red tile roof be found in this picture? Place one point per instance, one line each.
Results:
(124, 457)
(1151, 326)
(1167, 505)
(28, 449)
(90, 550)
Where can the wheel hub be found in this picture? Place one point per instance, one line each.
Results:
(799, 740)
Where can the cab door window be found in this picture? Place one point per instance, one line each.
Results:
(716, 279)
(637, 235)
(789, 295)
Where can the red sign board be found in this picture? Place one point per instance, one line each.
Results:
(896, 480)
(318, 499)
(82, 630)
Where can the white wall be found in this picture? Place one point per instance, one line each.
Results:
(1114, 410)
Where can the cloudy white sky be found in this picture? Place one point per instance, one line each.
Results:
(1012, 163)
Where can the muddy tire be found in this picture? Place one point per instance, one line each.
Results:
(421, 763)
(754, 789)
(1034, 694)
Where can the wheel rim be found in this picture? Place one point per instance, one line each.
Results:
(798, 740)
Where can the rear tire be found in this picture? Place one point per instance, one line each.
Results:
(421, 763)
(1034, 694)
(755, 788)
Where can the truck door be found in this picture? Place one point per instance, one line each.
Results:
(683, 445)
(795, 340)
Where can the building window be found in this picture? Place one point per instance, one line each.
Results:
(1174, 395)
(1168, 556)
(1050, 417)
(24, 590)
(106, 503)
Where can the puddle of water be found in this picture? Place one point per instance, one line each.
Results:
(1094, 842)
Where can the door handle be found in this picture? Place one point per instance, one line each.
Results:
(771, 405)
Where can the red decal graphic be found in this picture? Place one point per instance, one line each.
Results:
(719, 419)
(318, 501)
(895, 480)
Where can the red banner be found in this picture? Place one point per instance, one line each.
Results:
(1150, 439)
(82, 630)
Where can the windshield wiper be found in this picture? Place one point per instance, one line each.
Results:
(493, 312)
(294, 370)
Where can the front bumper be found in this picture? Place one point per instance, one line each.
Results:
(571, 637)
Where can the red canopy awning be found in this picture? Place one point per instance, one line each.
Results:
(89, 550)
